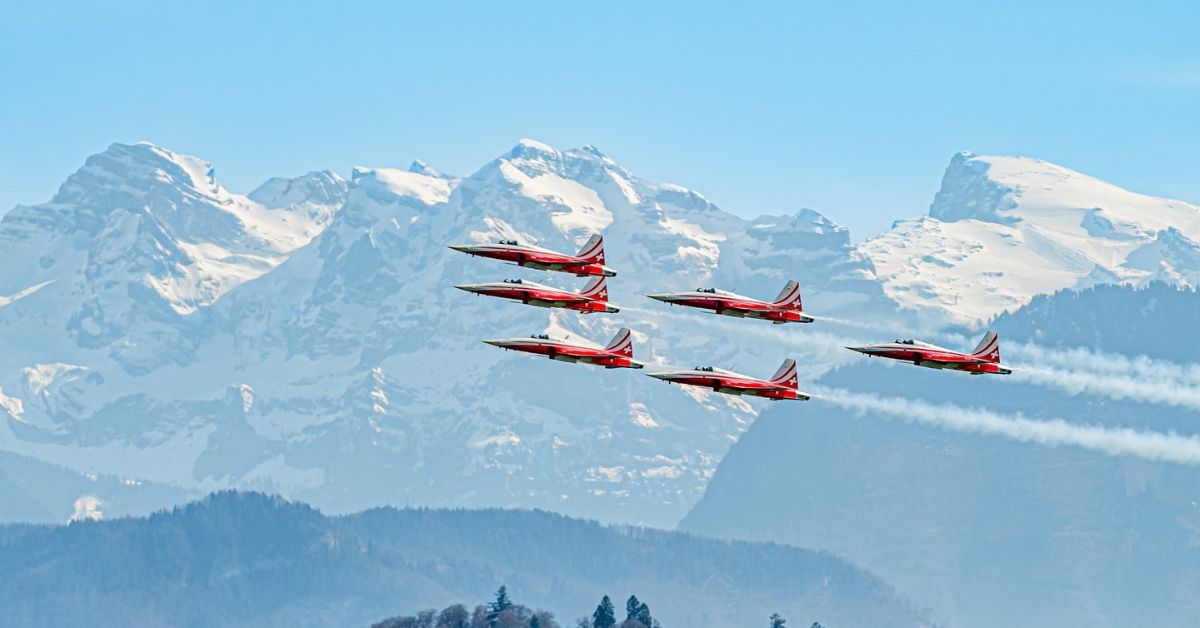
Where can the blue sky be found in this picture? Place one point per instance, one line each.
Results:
(853, 109)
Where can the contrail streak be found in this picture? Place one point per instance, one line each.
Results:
(1164, 447)
(1109, 363)
(1073, 371)
(1148, 390)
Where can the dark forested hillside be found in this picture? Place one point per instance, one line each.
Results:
(244, 559)
(1159, 320)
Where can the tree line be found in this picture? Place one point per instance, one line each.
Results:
(502, 612)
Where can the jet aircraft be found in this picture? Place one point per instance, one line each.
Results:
(593, 298)
(786, 308)
(589, 260)
(782, 385)
(984, 359)
(616, 354)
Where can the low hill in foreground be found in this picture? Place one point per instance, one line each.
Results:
(245, 559)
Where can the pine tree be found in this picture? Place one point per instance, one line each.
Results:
(643, 615)
(632, 605)
(534, 623)
(605, 615)
(817, 624)
(502, 602)
(777, 621)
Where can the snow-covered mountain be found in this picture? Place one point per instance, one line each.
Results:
(1002, 230)
(306, 339)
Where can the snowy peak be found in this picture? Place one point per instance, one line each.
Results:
(137, 170)
(419, 166)
(1004, 229)
(319, 188)
(968, 192)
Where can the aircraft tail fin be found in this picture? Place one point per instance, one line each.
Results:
(596, 289)
(988, 348)
(786, 375)
(789, 297)
(622, 343)
(593, 250)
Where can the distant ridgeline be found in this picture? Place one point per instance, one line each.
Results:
(247, 559)
(1102, 318)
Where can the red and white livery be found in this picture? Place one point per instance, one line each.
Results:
(589, 260)
(616, 354)
(984, 359)
(593, 298)
(786, 308)
(782, 385)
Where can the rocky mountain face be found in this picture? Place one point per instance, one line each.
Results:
(1002, 230)
(163, 332)
(306, 339)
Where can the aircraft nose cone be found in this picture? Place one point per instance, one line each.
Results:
(494, 343)
(658, 297)
(460, 247)
(467, 288)
(863, 350)
(657, 376)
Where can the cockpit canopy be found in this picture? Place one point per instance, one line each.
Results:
(509, 242)
(706, 369)
(516, 281)
(540, 336)
(707, 290)
(915, 343)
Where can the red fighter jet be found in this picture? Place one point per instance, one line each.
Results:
(594, 297)
(782, 385)
(589, 261)
(984, 359)
(617, 354)
(784, 309)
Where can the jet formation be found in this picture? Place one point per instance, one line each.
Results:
(618, 353)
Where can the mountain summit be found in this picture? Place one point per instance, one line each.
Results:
(1004, 229)
(305, 339)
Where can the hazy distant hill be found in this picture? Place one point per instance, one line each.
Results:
(1159, 321)
(988, 531)
(244, 559)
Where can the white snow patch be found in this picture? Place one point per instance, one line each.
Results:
(247, 397)
(704, 249)
(12, 405)
(665, 471)
(21, 294)
(502, 440)
(39, 377)
(87, 508)
(585, 210)
(611, 475)
(426, 189)
(641, 416)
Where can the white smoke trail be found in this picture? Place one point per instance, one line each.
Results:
(1147, 390)
(1079, 359)
(1073, 371)
(1168, 447)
